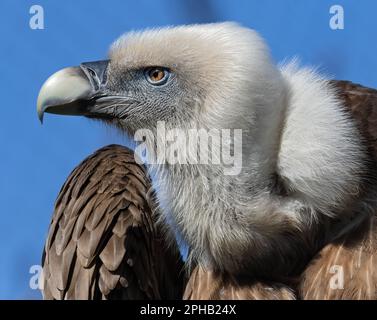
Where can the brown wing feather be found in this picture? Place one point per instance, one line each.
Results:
(346, 268)
(362, 102)
(208, 285)
(102, 241)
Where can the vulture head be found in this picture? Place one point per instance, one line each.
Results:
(302, 157)
(184, 76)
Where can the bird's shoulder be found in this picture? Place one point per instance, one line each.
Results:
(102, 241)
(361, 101)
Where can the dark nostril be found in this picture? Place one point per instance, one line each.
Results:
(96, 71)
(92, 73)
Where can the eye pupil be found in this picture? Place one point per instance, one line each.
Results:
(157, 74)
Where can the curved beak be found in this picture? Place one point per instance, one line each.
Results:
(73, 90)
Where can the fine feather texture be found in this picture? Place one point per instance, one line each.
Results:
(103, 242)
(354, 251)
(303, 161)
(208, 285)
(307, 175)
(343, 269)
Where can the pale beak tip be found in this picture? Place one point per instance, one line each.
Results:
(63, 88)
(40, 110)
(40, 117)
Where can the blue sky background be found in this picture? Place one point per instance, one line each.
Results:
(35, 159)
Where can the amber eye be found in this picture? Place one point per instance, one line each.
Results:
(157, 75)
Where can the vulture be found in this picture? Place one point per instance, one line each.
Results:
(291, 217)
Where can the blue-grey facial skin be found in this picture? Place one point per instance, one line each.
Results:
(145, 103)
